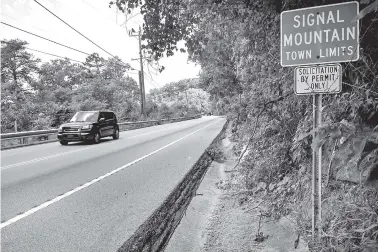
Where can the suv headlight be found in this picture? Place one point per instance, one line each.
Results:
(60, 129)
(86, 127)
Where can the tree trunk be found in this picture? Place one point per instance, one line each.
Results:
(14, 73)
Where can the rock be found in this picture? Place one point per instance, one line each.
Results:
(285, 180)
(272, 187)
(362, 173)
(348, 173)
(242, 200)
(279, 188)
(302, 170)
(261, 186)
(372, 169)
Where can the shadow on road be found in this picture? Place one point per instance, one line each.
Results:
(102, 141)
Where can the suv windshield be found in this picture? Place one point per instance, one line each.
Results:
(85, 117)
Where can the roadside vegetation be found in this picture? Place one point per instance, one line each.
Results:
(39, 95)
(237, 44)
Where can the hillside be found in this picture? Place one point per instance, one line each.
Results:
(237, 44)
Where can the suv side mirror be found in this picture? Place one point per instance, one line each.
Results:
(101, 119)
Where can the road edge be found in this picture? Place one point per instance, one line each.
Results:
(56, 140)
(155, 232)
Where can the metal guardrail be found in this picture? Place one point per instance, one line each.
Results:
(28, 133)
(40, 133)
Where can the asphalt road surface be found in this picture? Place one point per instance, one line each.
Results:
(84, 197)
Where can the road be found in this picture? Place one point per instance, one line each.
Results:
(93, 197)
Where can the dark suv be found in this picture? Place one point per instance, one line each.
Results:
(89, 126)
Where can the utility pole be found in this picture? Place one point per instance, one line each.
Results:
(187, 102)
(141, 92)
(141, 74)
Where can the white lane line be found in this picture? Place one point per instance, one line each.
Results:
(50, 202)
(44, 158)
(148, 133)
(66, 153)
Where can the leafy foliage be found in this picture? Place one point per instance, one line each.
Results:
(43, 95)
(179, 99)
(16, 64)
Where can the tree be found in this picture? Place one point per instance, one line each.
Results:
(45, 96)
(166, 23)
(114, 69)
(17, 65)
(183, 97)
(61, 73)
(17, 70)
(58, 80)
(94, 64)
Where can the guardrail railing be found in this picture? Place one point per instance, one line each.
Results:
(25, 138)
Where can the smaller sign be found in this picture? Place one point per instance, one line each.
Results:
(322, 79)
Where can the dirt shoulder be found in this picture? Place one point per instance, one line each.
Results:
(224, 217)
(236, 221)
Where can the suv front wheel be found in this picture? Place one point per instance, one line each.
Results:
(96, 138)
(63, 142)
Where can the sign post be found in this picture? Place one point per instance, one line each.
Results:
(311, 37)
(316, 169)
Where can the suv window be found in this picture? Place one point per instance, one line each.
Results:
(109, 116)
(102, 115)
(85, 117)
(114, 117)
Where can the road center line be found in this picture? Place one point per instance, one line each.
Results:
(50, 202)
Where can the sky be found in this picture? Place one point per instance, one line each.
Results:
(103, 25)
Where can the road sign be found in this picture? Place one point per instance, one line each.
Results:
(322, 34)
(323, 79)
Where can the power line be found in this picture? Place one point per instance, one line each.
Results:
(90, 5)
(54, 55)
(17, 19)
(9, 16)
(127, 65)
(57, 56)
(73, 28)
(99, 13)
(152, 81)
(150, 75)
(52, 41)
(6, 42)
(149, 69)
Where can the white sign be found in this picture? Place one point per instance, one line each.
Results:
(322, 79)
